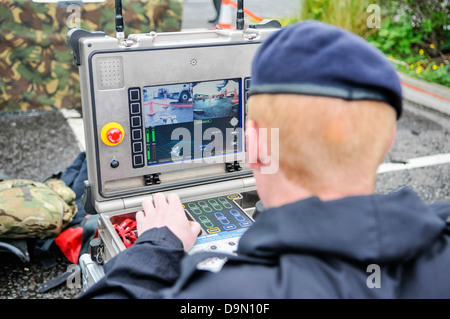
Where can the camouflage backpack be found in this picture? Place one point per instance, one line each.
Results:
(30, 209)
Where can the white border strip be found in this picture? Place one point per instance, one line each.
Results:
(415, 163)
(75, 122)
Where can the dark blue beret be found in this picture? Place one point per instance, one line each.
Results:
(314, 58)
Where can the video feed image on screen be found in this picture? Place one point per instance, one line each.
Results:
(212, 105)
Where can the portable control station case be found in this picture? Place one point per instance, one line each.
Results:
(165, 112)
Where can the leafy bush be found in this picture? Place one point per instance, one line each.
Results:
(348, 14)
(396, 38)
(421, 24)
(417, 32)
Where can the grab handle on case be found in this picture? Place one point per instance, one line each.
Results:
(86, 199)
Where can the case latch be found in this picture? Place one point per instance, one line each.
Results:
(232, 167)
(151, 179)
(96, 248)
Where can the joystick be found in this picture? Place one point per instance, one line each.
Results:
(259, 208)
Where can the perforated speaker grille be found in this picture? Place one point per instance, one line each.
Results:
(110, 73)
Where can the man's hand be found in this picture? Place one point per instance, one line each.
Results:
(169, 213)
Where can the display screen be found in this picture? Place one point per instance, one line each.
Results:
(194, 120)
(218, 214)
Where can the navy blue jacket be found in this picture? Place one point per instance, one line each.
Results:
(378, 246)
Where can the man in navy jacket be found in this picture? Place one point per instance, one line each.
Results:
(334, 100)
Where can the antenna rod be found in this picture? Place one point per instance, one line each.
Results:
(119, 20)
(240, 15)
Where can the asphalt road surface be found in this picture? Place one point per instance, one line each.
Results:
(36, 144)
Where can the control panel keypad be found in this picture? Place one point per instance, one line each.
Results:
(218, 214)
(224, 222)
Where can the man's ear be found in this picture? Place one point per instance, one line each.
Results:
(261, 156)
(391, 142)
(252, 142)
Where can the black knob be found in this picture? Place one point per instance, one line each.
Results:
(114, 163)
(259, 208)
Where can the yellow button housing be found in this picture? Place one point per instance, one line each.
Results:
(112, 134)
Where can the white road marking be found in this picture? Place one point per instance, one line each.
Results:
(75, 122)
(415, 163)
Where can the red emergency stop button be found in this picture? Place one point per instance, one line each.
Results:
(112, 134)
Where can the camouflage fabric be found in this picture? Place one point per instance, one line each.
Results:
(68, 196)
(36, 64)
(30, 209)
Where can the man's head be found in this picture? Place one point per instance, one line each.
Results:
(335, 100)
